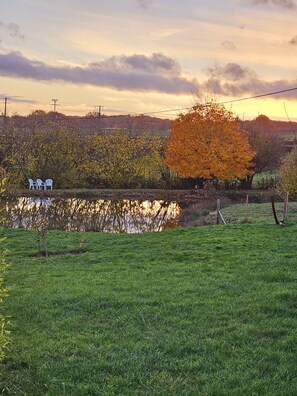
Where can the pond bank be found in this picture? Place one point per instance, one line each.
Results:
(183, 197)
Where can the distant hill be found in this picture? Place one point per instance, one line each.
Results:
(287, 129)
(92, 123)
(153, 125)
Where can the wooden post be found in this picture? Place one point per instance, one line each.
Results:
(274, 211)
(222, 217)
(285, 212)
(219, 213)
(246, 207)
(218, 210)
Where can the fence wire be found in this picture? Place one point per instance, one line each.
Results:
(255, 213)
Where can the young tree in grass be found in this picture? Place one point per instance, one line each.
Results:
(208, 143)
(288, 174)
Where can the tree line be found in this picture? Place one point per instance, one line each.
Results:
(207, 143)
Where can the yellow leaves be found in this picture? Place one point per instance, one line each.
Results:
(119, 160)
(288, 174)
(208, 143)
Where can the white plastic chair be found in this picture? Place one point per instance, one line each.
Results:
(32, 184)
(48, 183)
(39, 184)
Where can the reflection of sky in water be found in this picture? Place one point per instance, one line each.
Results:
(74, 214)
(35, 202)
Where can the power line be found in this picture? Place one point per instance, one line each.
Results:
(54, 104)
(228, 101)
(166, 111)
(260, 96)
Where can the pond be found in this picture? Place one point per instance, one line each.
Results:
(74, 214)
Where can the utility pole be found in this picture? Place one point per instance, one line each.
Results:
(99, 115)
(5, 107)
(5, 111)
(54, 104)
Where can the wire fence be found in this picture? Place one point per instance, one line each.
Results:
(229, 211)
(265, 213)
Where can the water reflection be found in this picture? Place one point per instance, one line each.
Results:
(73, 214)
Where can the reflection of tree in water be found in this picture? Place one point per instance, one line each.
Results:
(92, 215)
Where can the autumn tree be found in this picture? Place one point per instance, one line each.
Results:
(118, 160)
(262, 118)
(48, 152)
(208, 143)
(267, 145)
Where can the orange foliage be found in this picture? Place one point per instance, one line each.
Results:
(208, 143)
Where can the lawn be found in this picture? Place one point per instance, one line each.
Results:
(256, 213)
(197, 311)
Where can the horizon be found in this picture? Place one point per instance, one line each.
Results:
(94, 115)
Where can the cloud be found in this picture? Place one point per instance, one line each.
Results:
(228, 45)
(17, 99)
(288, 4)
(155, 73)
(235, 80)
(231, 72)
(144, 3)
(293, 40)
(140, 73)
(12, 29)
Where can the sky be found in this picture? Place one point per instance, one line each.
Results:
(148, 56)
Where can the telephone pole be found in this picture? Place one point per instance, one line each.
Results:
(99, 115)
(5, 107)
(5, 111)
(54, 104)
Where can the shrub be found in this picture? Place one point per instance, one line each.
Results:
(288, 174)
(4, 333)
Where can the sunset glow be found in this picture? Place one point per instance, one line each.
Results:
(143, 56)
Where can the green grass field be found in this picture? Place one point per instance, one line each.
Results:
(257, 213)
(205, 213)
(197, 311)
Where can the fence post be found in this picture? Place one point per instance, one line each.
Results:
(218, 210)
(246, 207)
(274, 211)
(285, 212)
(219, 213)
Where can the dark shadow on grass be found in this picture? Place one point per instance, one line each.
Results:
(63, 253)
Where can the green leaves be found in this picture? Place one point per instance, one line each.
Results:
(288, 174)
(119, 161)
(4, 333)
(75, 160)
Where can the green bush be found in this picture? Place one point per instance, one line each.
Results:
(288, 174)
(4, 333)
